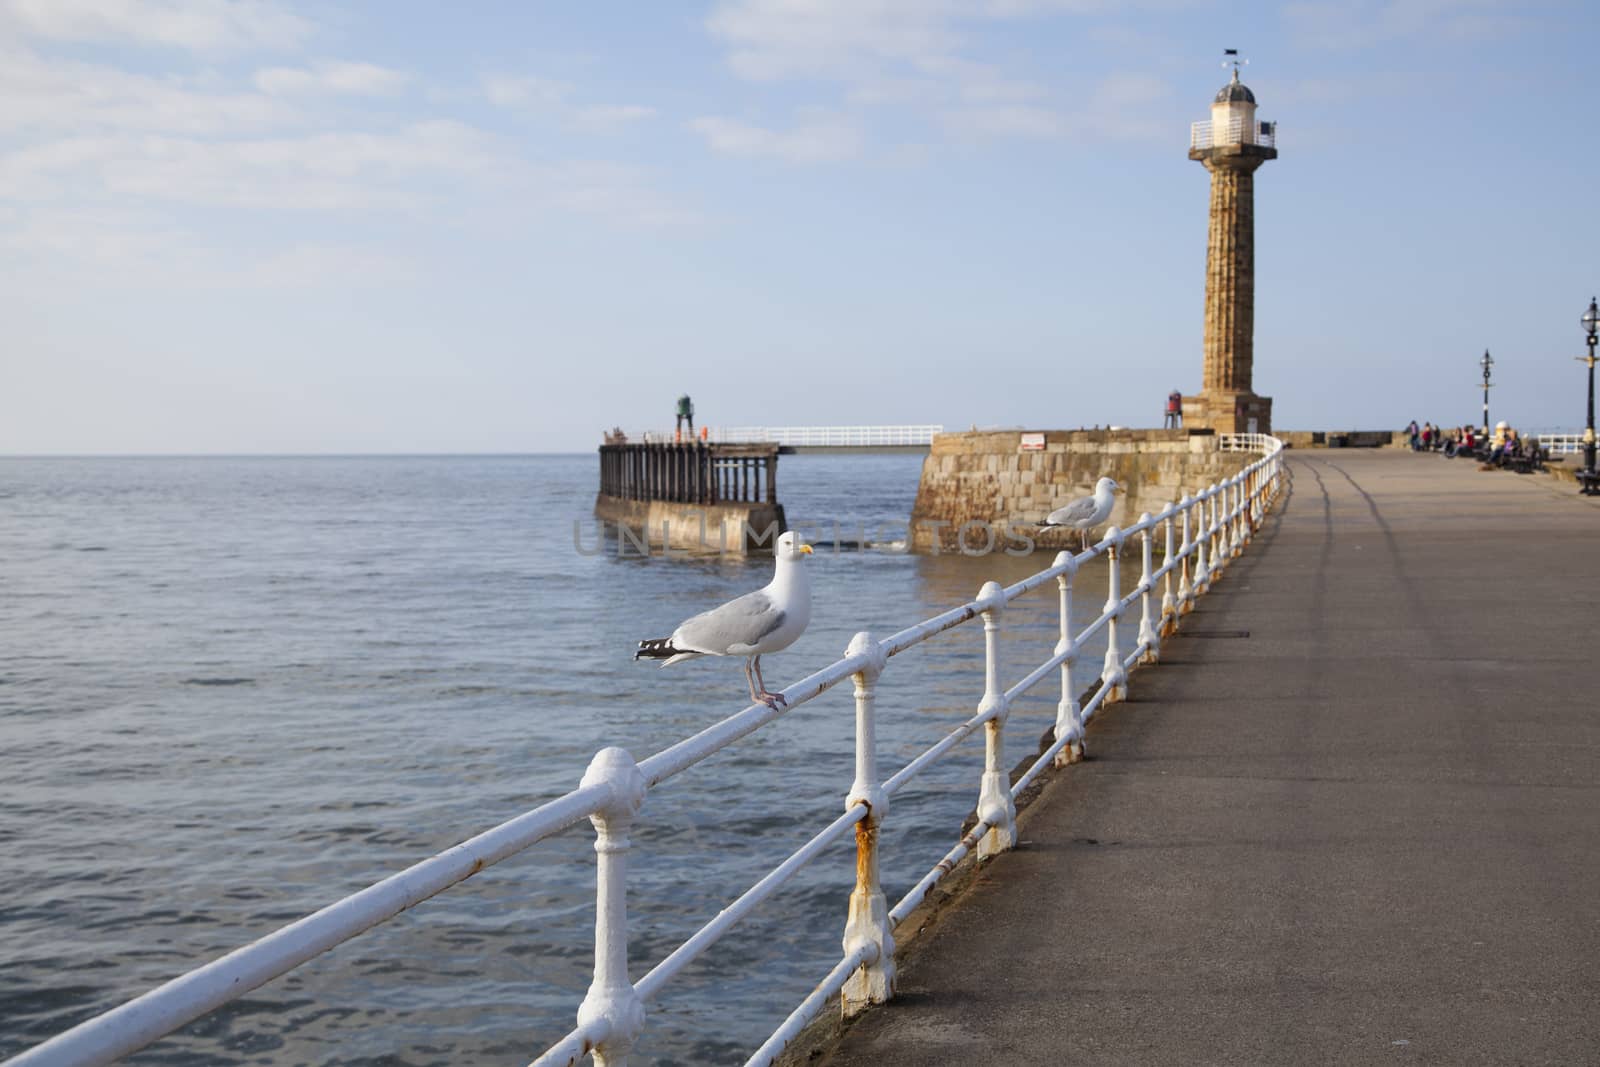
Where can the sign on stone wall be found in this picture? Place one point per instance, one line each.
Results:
(1031, 442)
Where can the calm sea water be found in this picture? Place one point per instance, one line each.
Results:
(233, 690)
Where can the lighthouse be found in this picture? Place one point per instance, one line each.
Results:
(1231, 146)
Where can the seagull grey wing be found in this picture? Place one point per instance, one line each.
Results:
(733, 627)
(1079, 511)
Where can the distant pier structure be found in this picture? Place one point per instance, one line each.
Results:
(690, 472)
(1231, 146)
(689, 494)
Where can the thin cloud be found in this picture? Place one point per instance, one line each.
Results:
(549, 98)
(320, 264)
(321, 172)
(610, 116)
(358, 79)
(855, 40)
(52, 96)
(1117, 92)
(1001, 91)
(123, 166)
(142, 250)
(1119, 108)
(197, 25)
(1013, 121)
(771, 40)
(921, 55)
(819, 139)
(620, 194)
(1341, 24)
(520, 90)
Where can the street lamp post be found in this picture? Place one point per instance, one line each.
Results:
(1591, 322)
(1486, 362)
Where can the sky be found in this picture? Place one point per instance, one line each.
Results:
(252, 226)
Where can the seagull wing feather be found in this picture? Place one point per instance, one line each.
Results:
(1079, 511)
(734, 626)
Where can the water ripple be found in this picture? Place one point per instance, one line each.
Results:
(235, 690)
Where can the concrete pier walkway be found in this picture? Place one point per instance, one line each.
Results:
(1354, 817)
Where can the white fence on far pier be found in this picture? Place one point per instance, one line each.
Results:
(1560, 444)
(830, 436)
(804, 436)
(1199, 537)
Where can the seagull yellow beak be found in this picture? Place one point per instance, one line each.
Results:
(805, 549)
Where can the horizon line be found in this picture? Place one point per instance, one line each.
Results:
(276, 455)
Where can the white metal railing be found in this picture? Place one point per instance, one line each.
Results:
(1560, 444)
(1200, 535)
(1239, 442)
(813, 436)
(1205, 134)
(806, 436)
(838, 436)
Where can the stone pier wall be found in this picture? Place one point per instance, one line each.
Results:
(660, 526)
(986, 477)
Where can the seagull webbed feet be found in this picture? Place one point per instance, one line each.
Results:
(761, 696)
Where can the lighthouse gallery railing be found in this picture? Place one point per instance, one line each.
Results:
(1200, 535)
(1234, 131)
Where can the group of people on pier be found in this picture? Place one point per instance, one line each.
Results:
(1505, 447)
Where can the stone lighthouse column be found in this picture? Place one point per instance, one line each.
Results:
(1231, 146)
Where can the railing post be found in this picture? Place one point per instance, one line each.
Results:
(1149, 635)
(1169, 604)
(1226, 520)
(612, 1014)
(1202, 541)
(1219, 527)
(1185, 589)
(1252, 498)
(995, 805)
(1241, 527)
(1208, 521)
(1069, 726)
(867, 927)
(1112, 673)
(1219, 553)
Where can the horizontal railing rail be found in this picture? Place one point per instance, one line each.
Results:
(1198, 536)
(829, 436)
(1560, 444)
(804, 436)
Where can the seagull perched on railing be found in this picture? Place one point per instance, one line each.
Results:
(1086, 512)
(768, 620)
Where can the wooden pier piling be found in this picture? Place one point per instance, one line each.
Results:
(693, 496)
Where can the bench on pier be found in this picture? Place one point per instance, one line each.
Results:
(1527, 460)
(1520, 458)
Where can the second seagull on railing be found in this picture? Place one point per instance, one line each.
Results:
(768, 620)
(1086, 512)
